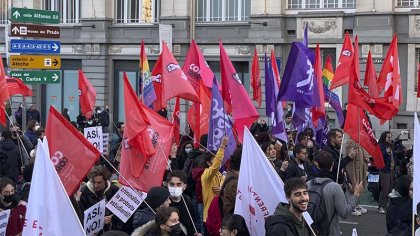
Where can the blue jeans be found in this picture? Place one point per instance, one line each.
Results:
(200, 209)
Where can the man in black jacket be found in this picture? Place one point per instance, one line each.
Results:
(300, 166)
(97, 188)
(335, 139)
(288, 219)
(10, 161)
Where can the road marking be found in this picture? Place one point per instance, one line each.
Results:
(369, 206)
(348, 222)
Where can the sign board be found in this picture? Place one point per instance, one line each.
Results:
(93, 222)
(94, 136)
(125, 202)
(165, 34)
(38, 77)
(34, 62)
(35, 31)
(4, 219)
(105, 139)
(34, 46)
(34, 16)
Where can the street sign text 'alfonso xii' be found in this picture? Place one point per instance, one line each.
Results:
(34, 16)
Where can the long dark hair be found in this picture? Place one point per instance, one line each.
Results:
(162, 216)
(382, 139)
(234, 221)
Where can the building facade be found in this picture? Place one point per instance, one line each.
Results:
(103, 38)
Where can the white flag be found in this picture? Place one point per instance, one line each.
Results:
(260, 189)
(416, 161)
(49, 211)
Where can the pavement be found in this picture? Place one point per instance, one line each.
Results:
(371, 224)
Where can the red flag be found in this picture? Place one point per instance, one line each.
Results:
(418, 81)
(363, 133)
(170, 81)
(196, 68)
(318, 112)
(176, 120)
(87, 95)
(136, 124)
(200, 126)
(244, 112)
(16, 86)
(389, 78)
(152, 174)
(72, 155)
(256, 79)
(4, 93)
(380, 107)
(342, 72)
(370, 77)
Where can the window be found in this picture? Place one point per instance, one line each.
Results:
(417, 70)
(223, 10)
(66, 93)
(407, 3)
(69, 9)
(136, 11)
(4, 9)
(320, 4)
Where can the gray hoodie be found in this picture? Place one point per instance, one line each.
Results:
(336, 204)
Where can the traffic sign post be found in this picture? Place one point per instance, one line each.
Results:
(34, 31)
(34, 16)
(38, 77)
(34, 46)
(35, 62)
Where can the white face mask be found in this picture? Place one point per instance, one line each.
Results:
(291, 154)
(175, 192)
(188, 150)
(37, 127)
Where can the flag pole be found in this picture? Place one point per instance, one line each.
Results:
(339, 157)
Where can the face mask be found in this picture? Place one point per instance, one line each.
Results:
(290, 153)
(99, 111)
(176, 229)
(9, 198)
(188, 150)
(90, 122)
(175, 192)
(37, 127)
(32, 154)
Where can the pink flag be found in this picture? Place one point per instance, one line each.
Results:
(244, 112)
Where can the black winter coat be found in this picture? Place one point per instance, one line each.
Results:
(10, 163)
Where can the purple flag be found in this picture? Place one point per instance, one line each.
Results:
(269, 88)
(220, 124)
(274, 109)
(322, 132)
(298, 79)
(305, 35)
(333, 99)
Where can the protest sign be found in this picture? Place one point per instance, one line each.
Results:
(93, 221)
(4, 219)
(125, 202)
(95, 137)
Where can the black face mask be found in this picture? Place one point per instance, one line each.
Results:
(176, 229)
(9, 198)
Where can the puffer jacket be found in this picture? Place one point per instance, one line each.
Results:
(10, 163)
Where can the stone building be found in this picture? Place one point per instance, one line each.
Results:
(103, 38)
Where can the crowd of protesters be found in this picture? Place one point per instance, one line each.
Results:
(193, 184)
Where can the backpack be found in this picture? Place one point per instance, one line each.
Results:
(215, 211)
(317, 208)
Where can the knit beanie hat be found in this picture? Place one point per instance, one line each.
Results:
(157, 196)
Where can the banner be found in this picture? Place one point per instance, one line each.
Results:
(95, 137)
(4, 219)
(125, 202)
(416, 168)
(94, 218)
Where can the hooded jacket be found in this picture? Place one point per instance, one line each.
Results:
(142, 217)
(9, 160)
(150, 229)
(283, 222)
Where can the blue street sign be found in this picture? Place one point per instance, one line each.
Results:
(34, 46)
